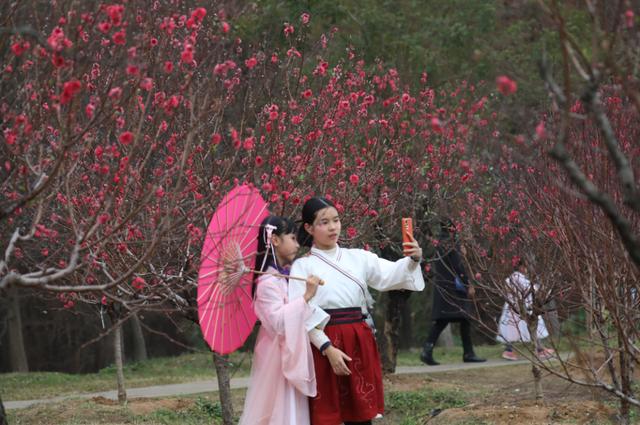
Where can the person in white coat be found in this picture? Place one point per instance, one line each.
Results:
(512, 327)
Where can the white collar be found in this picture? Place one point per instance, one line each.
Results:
(329, 253)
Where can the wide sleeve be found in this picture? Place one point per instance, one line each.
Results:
(297, 360)
(286, 320)
(385, 275)
(269, 305)
(318, 317)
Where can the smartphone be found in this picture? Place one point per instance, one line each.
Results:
(407, 229)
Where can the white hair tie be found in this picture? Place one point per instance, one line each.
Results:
(268, 231)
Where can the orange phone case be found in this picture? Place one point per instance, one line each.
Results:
(407, 229)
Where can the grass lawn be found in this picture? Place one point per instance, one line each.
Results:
(172, 370)
(452, 355)
(497, 396)
(406, 406)
(447, 355)
(158, 371)
(197, 410)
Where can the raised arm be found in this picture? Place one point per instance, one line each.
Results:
(385, 275)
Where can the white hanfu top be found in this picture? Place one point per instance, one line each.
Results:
(341, 291)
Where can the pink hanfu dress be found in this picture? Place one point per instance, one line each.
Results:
(282, 374)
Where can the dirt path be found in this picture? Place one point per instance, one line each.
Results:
(212, 384)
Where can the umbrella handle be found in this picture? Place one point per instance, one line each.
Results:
(281, 275)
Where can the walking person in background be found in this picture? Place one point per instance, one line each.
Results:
(451, 296)
(512, 327)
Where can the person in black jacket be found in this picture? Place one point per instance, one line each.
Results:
(451, 297)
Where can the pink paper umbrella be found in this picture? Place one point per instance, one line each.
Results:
(226, 270)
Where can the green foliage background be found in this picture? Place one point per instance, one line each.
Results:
(451, 41)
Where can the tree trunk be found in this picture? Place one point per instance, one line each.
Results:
(551, 318)
(446, 338)
(396, 304)
(406, 330)
(532, 325)
(3, 416)
(104, 354)
(626, 378)
(117, 347)
(553, 321)
(224, 388)
(139, 344)
(17, 353)
(537, 381)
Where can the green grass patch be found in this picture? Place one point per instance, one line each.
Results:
(173, 370)
(170, 370)
(448, 355)
(414, 406)
(203, 411)
(159, 371)
(452, 355)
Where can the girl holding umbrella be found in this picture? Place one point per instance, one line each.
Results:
(282, 374)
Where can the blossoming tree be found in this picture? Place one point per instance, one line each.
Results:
(109, 115)
(124, 123)
(566, 199)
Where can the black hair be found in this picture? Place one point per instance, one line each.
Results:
(309, 212)
(449, 243)
(283, 226)
(447, 228)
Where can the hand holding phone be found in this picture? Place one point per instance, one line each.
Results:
(407, 231)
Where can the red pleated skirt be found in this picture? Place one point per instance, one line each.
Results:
(354, 398)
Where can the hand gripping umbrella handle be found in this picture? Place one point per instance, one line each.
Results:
(281, 275)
